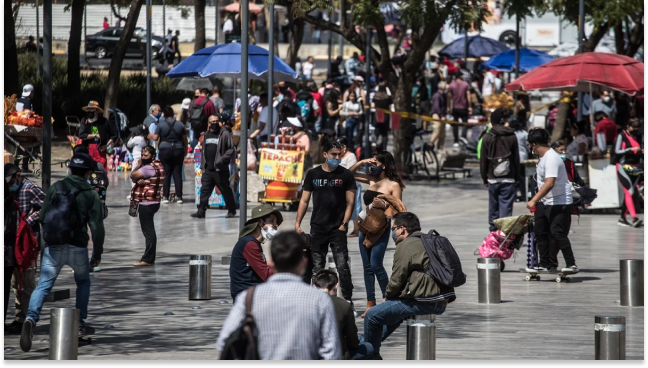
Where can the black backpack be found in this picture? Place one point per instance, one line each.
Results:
(445, 265)
(197, 116)
(242, 343)
(61, 219)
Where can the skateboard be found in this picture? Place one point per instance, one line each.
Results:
(84, 340)
(535, 275)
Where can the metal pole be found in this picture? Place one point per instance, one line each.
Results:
(148, 53)
(367, 144)
(85, 31)
(581, 39)
(632, 282)
(38, 64)
(244, 113)
(466, 46)
(517, 51)
(488, 281)
(217, 37)
(47, 95)
(64, 330)
(271, 72)
(421, 337)
(340, 38)
(200, 273)
(609, 338)
(164, 18)
(330, 45)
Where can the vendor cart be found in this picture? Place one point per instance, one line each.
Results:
(282, 167)
(22, 142)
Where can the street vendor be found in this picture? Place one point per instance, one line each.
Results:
(96, 133)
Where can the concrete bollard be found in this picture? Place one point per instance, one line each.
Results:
(421, 337)
(200, 267)
(488, 281)
(609, 338)
(632, 282)
(64, 334)
(226, 260)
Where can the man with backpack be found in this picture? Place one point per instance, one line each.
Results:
(416, 286)
(23, 280)
(308, 107)
(199, 111)
(499, 164)
(70, 206)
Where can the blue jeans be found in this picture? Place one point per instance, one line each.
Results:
(318, 123)
(351, 128)
(501, 197)
(357, 206)
(383, 319)
(54, 258)
(364, 351)
(372, 263)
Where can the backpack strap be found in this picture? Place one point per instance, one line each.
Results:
(204, 102)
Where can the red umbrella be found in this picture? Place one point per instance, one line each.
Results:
(587, 72)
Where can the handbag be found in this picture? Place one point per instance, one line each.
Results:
(133, 209)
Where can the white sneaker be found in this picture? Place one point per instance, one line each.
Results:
(165, 201)
(573, 269)
(128, 197)
(179, 201)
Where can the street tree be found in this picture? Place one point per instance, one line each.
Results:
(199, 16)
(11, 85)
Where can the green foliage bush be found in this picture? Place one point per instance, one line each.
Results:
(131, 97)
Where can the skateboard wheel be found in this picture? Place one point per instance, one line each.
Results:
(528, 278)
(538, 278)
(558, 279)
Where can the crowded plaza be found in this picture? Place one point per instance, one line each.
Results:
(370, 191)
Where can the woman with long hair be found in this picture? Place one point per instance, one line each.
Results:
(628, 158)
(383, 180)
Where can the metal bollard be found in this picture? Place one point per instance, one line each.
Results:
(488, 281)
(632, 282)
(64, 334)
(609, 338)
(200, 277)
(226, 260)
(421, 337)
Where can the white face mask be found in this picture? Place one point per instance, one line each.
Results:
(268, 233)
(606, 99)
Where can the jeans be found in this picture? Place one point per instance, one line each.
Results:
(351, 128)
(501, 197)
(22, 296)
(172, 159)
(364, 351)
(372, 263)
(463, 115)
(554, 220)
(146, 214)
(220, 179)
(318, 124)
(54, 258)
(338, 243)
(383, 319)
(8, 271)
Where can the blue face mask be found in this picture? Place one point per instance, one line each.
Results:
(333, 162)
(394, 235)
(14, 188)
(562, 156)
(375, 170)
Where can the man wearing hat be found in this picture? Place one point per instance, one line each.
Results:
(24, 103)
(73, 254)
(30, 200)
(248, 265)
(96, 133)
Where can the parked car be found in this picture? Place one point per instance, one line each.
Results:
(103, 44)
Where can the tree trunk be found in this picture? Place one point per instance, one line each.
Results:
(11, 85)
(635, 38)
(266, 12)
(199, 6)
(74, 48)
(119, 54)
(561, 121)
(297, 34)
(595, 38)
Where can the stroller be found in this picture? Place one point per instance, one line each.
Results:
(505, 241)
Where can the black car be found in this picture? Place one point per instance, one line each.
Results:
(104, 43)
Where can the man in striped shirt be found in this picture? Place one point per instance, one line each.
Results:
(30, 200)
(294, 320)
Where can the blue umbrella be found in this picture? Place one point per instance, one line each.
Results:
(224, 61)
(478, 46)
(529, 60)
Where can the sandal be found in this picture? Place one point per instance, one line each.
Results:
(142, 263)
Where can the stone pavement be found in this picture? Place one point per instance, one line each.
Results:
(536, 320)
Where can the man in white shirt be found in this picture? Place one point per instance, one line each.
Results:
(307, 68)
(553, 202)
(263, 129)
(489, 87)
(228, 26)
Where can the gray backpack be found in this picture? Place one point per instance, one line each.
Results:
(445, 265)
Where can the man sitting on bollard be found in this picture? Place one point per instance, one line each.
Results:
(248, 265)
(66, 238)
(293, 320)
(352, 347)
(411, 291)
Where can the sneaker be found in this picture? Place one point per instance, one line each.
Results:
(230, 215)
(142, 263)
(623, 222)
(637, 222)
(180, 201)
(455, 145)
(545, 269)
(573, 269)
(128, 197)
(533, 269)
(165, 200)
(27, 335)
(198, 214)
(355, 314)
(82, 331)
(14, 328)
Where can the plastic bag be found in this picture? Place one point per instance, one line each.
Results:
(513, 224)
(495, 246)
(251, 157)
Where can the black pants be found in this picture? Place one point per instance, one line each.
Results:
(338, 242)
(146, 214)
(220, 179)
(8, 271)
(554, 221)
(463, 115)
(172, 159)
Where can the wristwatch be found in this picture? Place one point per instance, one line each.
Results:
(346, 225)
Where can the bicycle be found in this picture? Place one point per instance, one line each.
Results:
(422, 158)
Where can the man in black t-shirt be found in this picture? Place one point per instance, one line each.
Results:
(333, 188)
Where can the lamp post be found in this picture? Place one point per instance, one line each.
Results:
(244, 112)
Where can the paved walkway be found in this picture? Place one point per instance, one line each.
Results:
(536, 320)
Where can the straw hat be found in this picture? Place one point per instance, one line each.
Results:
(93, 105)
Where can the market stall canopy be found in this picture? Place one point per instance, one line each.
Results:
(587, 72)
(235, 7)
(529, 60)
(478, 46)
(224, 61)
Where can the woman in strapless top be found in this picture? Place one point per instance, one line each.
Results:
(382, 179)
